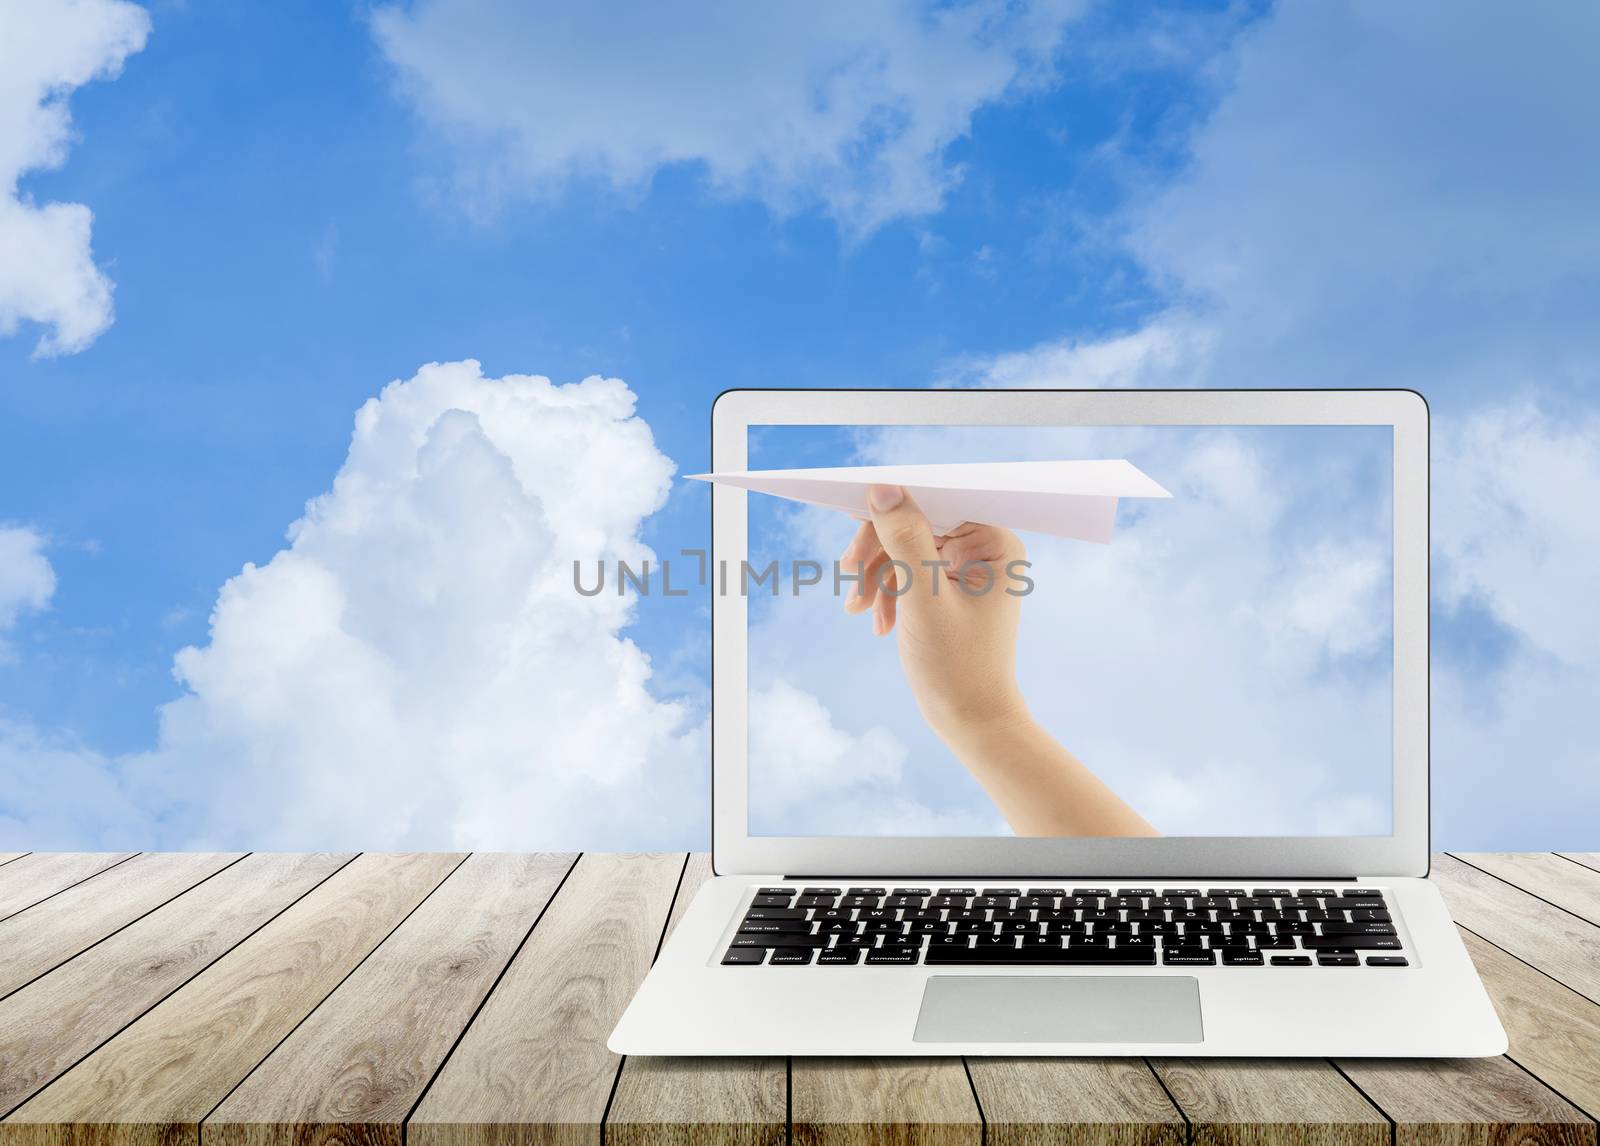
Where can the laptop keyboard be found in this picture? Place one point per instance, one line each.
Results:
(1067, 926)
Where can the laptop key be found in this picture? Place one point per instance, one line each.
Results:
(900, 955)
(771, 901)
(774, 891)
(839, 957)
(782, 938)
(769, 926)
(1090, 956)
(1350, 942)
(744, 955)
(774, 913)
(1324, 959)
(1336, 927)
(1291, 960)
(791, 955)
(1386, 961)
(1232, 958)
(1188, 957)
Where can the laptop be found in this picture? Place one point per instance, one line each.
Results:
(1162, 788)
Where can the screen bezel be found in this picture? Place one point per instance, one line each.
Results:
(1402, 853)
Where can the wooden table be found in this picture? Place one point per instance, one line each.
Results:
(456, 1000)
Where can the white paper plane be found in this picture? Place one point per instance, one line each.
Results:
(1075, 499)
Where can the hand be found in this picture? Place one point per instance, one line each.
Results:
(958, 647)
(947, 602)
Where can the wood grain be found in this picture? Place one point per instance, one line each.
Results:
(696, 874)
(7, 857)
(1555, 941)
(533, 1067)
(1462, 1102)
(353, 1070)
(882, 1102)
(39, 875)
(1587, 859)
(1036, 1102)
(698, 1102)
(54, 931)
(55, 1021)
(159, 1077)
(1570, 886)
(1554, 1031)
(1303, 1102)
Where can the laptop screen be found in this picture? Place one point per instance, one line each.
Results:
(1073, 631)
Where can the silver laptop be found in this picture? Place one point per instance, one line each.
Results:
(1068, 723)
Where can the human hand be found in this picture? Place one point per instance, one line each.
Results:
(946, 600)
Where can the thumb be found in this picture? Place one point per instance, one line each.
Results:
(905, 535)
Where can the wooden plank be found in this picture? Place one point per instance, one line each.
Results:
(1074, 1102)
(687, 1102)
(1570, 886)
(696, 873)
(1587, 859)
(533, 1067)
(1462, 1102)
(160, 1076)
(1301, 1101)
(700, 1102)
(883, 1102)
(54, 931)
(39, 875)
(1554, 1031)
(1555, 941)
(7, 857)
(54, 1021)
(353, 1070)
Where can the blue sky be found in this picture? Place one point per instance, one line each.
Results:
(298, 204)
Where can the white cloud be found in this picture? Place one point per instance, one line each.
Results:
(1171, 351)
(62, 795)
(1393, 192)
(27, 582)
(1518, 525)
(1518, 541)
(415, 669)
(1362, 208)
(849, 107)
(48, 275)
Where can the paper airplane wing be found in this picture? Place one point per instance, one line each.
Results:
(1075, 499)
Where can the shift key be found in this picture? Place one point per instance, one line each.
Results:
(1350, 942)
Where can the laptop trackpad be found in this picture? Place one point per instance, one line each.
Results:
(1060, 1009)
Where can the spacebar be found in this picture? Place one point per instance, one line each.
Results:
(1067, 956)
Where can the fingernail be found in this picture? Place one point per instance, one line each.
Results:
(885, 497)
